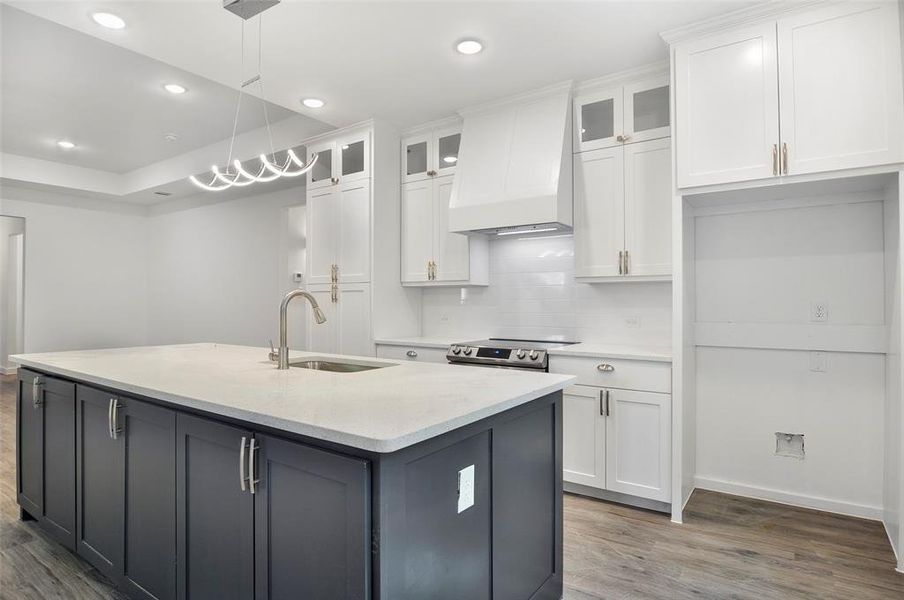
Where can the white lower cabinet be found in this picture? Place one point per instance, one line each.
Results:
(412, 353)
(347, 328)
(615, 439)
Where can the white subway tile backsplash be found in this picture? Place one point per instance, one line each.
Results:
(533, 295)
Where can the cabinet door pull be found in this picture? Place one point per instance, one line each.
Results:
(627, 270)
(251, 470)
(110, 417)
(605, 367)
(334, 180)
(784, 159)
(775, 159)
(37, 391)
(621, 262)
(602, 399)
(242, 476)
(411, 354)
(114, 429)
(607, 403)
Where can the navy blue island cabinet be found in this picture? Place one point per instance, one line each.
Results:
(174, 503)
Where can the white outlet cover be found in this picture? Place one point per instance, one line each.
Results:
(465, 488)
(819, 312)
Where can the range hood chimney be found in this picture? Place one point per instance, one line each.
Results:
(514, 166)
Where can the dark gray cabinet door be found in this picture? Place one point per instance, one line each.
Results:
(30, 448)
(100, 483)
(215, 518)
(46, 453)
(148, 440)
(312, 525)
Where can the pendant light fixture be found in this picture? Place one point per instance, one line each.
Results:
(269, 169)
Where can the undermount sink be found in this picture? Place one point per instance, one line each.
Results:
(333, 366)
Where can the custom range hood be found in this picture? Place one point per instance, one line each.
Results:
(514, 167)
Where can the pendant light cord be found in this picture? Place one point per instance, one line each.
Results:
(238, 104)
(260, 82)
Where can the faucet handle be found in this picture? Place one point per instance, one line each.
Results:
(274, 355)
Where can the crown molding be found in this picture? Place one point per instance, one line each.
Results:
(549, 90)
(365, 125)
(656, 69)
(431, 125)
(743, 16)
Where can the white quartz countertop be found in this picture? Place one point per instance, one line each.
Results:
(381, 410)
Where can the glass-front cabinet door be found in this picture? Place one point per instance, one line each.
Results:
(446, 143)
(415, 157)
(598, 120)
(354, 158)
(647, 110)
(322, 173)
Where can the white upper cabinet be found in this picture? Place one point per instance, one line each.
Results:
(816, 91)
(338, 227)
(340, 161)
(726, 101)
(430, 153)
(624, 114)
(347, 328)
(622, 212)
(840, 81)
(418, 230)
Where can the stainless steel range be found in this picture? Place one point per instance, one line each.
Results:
(504, 353)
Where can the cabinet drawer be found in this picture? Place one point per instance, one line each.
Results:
(433, 355)
(624, 374)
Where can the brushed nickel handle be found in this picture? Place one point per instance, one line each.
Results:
(431, 173)
(627, 270)
(251, 474)
(602, 398)
(775, 159)
(621, 262)
(334, 293)
(434, 270)
(110, 417)
(37, 391)
(622, 138)
(242, 476)
(411, 354)
(784, 159)
(607, 403)
(114, 429)
(605, 367)
(334, 180)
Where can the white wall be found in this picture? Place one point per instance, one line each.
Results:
(533, 295)
(760, 270)
(12, 231)
(217, 272)
(85, 273)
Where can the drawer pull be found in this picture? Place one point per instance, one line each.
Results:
(411, 354)
(37, 391)
(605, 367)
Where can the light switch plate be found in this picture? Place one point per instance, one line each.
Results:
(465, 488)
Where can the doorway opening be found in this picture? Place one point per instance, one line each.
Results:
(12, 290)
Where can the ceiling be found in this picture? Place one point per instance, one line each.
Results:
(391, 60)
(57, 83)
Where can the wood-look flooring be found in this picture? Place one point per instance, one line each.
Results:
(729, 547)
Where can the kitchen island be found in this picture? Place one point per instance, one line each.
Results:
(201, 471)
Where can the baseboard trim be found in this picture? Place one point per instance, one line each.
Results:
(873, 513)
(592, 492)
(8, 370)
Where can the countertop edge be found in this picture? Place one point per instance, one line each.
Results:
(379, 446)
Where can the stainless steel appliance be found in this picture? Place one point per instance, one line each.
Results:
(504, 353)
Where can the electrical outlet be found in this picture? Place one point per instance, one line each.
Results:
(444, 318)
(818, 362)
(297, 277)
(632, 322)
(819, 312)
(465, 488)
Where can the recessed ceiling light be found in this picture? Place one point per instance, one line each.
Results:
(65, 144)
(108, 20)
(450, 159)
(313, 102)
(469, 46)
(175, 88)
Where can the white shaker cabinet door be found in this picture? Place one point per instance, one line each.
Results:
(417, 230)
(584, 436)
(726, 105)
(322, 229)
(325, 336)
(599, 204)
(840, 81)
(353, 252)
(452, 254)
(648, 208)
(353, 320)
(638, 444)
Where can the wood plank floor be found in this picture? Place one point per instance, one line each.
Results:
(729, 547)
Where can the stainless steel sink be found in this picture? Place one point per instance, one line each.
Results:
(337, 367)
